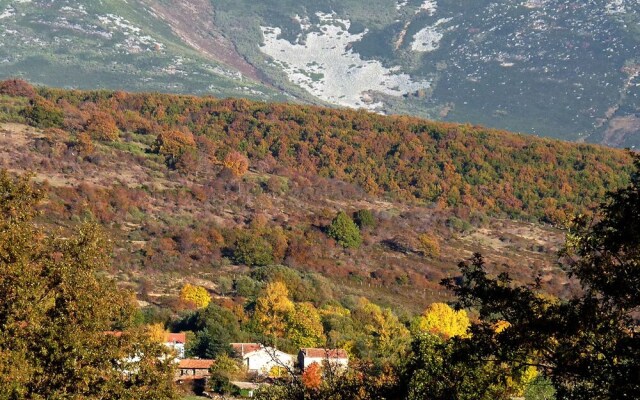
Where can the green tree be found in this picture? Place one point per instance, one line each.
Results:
(364, 219)
(252, 250)
(434, 371)
(345, 231)
(223, 371)
(304, 327)
(55, 308)
(381, 335)
(215, 328)
(245, 286)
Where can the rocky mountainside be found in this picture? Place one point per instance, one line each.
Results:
(548, 67)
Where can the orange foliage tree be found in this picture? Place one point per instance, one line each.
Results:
(102, 126)
(312, 376)
(237, 163)
(172, 144)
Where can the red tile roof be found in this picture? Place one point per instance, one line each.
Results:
(324, 353)
(113, 333)
(193, 363)
(176, 338)
(244, 348)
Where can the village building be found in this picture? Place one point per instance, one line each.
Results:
(176, 341)
(337, 358)
(192, 368)
(261, 360)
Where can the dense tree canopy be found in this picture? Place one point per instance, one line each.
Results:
(55, 311)
(587, 345)
(460, 167)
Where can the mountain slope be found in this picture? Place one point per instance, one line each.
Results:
(538, 66)
(114, 44)
(177, 211)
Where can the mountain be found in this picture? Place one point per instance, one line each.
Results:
(166, 176)
(553, 68)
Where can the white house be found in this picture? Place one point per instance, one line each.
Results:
(260, 359)
(334, 357)
(176, 342)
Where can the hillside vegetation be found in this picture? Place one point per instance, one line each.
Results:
(207, 186)
(453, 166)
(534, 66)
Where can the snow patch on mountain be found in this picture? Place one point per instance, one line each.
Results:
(322, 62)
(428, 38)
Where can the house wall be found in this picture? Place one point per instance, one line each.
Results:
(306, 361)
(178, 347)
(262, 361)
(197, 372)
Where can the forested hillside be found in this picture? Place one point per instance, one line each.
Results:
(184, 179)
(453, 166)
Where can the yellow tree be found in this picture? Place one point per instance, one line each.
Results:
(442, 320)
(429, 245)
(385, 334)
(304, 326)
(195, 296)
(273, 308)
(157, 333)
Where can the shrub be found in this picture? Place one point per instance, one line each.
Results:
(345, 231)
(364, 219)
(252, 250)
(43, 114)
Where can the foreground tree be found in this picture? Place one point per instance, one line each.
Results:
(55, 311)
(588, 346)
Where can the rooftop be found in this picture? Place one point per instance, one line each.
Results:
(244, 348)
(324, 353)
(194, 363)
(176, 338)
